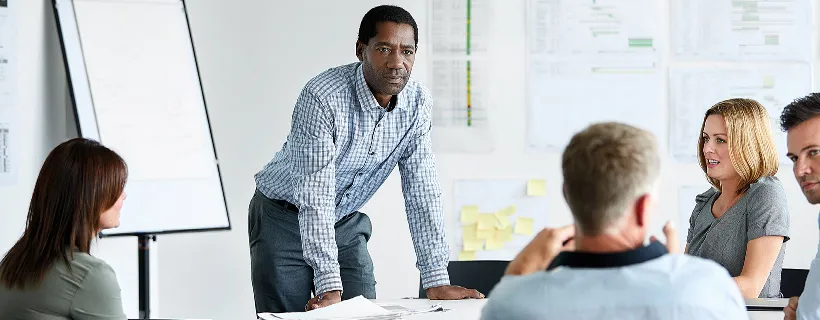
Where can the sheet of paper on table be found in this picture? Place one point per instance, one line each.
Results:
(355, 308)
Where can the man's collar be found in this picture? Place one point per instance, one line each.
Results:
(609, 260)
(366, 98)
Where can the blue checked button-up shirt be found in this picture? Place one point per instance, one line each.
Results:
(341, 148)
(808, 308)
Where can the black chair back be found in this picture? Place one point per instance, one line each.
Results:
(792, 282)
(481, 275)
(484, 275)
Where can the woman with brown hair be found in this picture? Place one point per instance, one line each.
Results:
(742, 222)
(48, 273)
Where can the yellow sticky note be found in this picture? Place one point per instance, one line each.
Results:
(466, 256)
(536, 188)
(476, 245)
(524, 226)
(469, 214)
(492, 244)
(508, 211)
(505, 234)
(501, 221)
(768, 82)
(468, 233)
(485, 234)
(486, 221)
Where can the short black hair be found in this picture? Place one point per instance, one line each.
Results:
(385, 13)
(801, 109)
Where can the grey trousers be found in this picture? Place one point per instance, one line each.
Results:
(282, 280)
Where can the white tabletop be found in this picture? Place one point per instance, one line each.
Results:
(455, 309)
(471, 309)
(766, 315)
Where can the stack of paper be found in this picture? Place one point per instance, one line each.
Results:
(357, 308)
(405, 311)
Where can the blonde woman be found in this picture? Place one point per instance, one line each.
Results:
(742, 223)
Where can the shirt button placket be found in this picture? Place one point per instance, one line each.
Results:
(375, 141)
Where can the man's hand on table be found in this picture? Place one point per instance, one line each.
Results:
(324, 300)
(790, 311)
(452, 293)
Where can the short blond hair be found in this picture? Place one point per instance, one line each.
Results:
(749, 138)
(606, 167)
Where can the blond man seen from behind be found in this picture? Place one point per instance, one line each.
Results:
(610, 177)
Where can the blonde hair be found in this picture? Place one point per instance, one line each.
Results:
(750, 140)
(606, 167)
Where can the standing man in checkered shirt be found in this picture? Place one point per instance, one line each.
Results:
(351, 126)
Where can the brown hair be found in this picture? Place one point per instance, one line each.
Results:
(606, 168)
(79, 180)
(749, 138)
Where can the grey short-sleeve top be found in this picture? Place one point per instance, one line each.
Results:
(89, 291)
(761, 211)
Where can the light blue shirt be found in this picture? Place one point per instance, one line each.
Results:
(667, 287)
(341, 148)
(808, 308)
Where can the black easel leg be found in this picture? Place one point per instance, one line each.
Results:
(144, 276)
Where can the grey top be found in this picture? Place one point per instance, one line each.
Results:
(761, 211)
(89, 291)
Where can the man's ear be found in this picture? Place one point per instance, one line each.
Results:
(642, 209)
(360, 50)
(564, 191)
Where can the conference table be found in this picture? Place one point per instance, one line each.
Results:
(471, 309)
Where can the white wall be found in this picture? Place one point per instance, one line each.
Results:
(254, 56)
(41, 115)
(45, 120)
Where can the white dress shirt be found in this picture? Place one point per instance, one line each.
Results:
(808, 308)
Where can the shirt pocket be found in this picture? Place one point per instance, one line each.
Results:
(394, 140)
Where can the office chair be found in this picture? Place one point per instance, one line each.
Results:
(479, 275)
(792, 282)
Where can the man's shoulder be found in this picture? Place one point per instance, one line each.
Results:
(417, 90)
(515, 296)
(693, 274)
(702, 283)
(514, 287)
(333, 80)
(684, 263)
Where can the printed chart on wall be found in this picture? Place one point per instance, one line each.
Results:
(693, 90)
(592, 61)
(8, 130)
(7, 171)
(459, 30)
(686, 203)
(497, 218)
(742, 30)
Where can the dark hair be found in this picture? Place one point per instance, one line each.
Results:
(79, 180)
(801, 109)
(385, 13)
